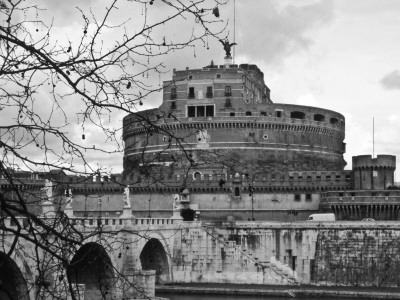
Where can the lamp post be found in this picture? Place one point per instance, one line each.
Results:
(149, 215)
(251, 190)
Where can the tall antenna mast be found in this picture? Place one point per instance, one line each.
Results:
(373, 137)
(234, 28)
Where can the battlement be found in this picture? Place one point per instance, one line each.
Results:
(381, 161)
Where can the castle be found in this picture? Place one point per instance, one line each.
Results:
(223, 150)
(218, 148)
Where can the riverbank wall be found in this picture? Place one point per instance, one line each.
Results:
(301, 253)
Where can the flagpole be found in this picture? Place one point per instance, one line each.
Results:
(234, 28)
(373, 137)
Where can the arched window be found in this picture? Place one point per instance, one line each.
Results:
(197, 176)
(334, 121)
(237, 191)
(319, 118)
(297, 115)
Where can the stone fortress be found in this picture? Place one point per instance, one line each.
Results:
(225, 151)
(222, 154)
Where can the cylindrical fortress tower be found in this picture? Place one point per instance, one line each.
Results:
(373, 173)
(224, 119)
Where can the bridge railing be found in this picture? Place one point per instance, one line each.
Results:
(95, 222)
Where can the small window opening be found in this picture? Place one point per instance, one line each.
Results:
(237, 191)
(191, 92)
(173, 105)
(228, 103)
(278, 113)
(173, 93)
(209, 111)
(248, 113)
(191, 111)
(297, 197)
(308, 197)
(190, 77)
(319, 118)
(228, 91)
(200, 111)
(263, 114)
(232, 114)
(197, 176)
(218, 75)
(297, 115)
(334, 121)
(209, 93)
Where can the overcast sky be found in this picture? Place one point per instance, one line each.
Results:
(341, 55)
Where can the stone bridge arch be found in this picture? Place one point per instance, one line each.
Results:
(92, 266)
(155, 255)
(15, 275)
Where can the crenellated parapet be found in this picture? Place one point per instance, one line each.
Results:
(373, 173)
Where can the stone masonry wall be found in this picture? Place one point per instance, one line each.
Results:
(357, 258)
(320, 253)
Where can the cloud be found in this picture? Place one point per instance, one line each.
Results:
(391, 81)
(275, 32)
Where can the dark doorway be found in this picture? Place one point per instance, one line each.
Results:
(154, 257)
(13, 284)
(92, 267)
(188, 214)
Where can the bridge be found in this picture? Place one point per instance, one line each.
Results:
(126, 257)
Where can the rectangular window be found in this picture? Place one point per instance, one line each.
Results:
(232, 114)
(191, 111)
(228, 103)
(190, 77)
(297, 197)
(173, 105)
(200, 111)
(173, 93)
(308, 197)
(278, 113)
(228, 91)
(209, 92)
(218, 75)
(191, 92)
(210, 111)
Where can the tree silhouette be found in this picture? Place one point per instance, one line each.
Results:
(56, 90)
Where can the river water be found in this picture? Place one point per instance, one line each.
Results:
(221, 297)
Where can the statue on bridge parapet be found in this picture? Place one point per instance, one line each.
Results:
(48, 209)
(127, 211)
(68, 203)
(127, 201)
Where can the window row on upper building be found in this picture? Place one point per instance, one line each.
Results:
(209, 92)
(302, 116)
